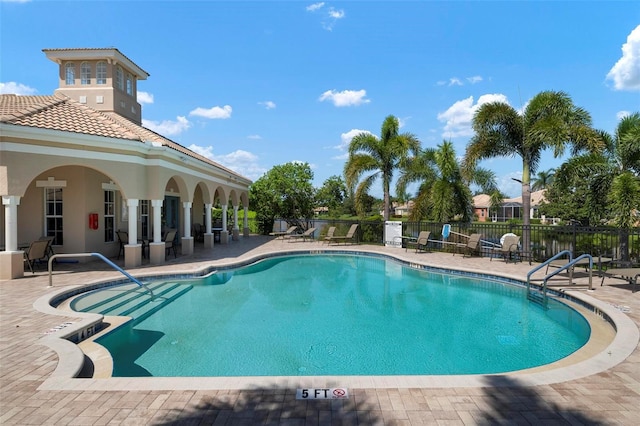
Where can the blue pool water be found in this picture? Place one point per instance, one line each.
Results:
(333, 315)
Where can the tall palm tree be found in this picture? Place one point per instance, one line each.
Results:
(543, 180)
(550, 120)
(443, 193)
(613, 174)
(380, 156)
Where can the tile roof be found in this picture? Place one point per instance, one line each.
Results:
(58, 112)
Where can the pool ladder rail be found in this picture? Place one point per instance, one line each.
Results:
(540, 296)
(107, 261)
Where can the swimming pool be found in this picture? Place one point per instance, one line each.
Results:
(333, 314)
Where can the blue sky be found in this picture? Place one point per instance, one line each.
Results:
(256, 84)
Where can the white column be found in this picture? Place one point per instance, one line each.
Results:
(207, 217)
(245, 221)
(187, 219)
(235, 218)
(132, 204)
(11, 203)
(157, 220)
(224, 217)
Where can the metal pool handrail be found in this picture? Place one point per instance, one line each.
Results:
(542, 265)
(107, 261)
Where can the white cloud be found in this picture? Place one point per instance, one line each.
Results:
(240, 161)
(330, 17)
(215, 112)
(336, 14)
(268, 104)
(345, 98)
(168, 127)
(622, 114)
(145, 98)
(626, 72)
(455, 81)
(510, 187)
(345, 138)
(315, 6)
(16, 89)
(255, 137)
(458, 117)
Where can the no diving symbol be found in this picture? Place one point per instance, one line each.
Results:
(340, 393)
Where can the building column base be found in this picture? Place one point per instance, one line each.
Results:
(187, 246)
(11, 265)
(224, 237)
(132, 255)
(157, 253)
(208, 241)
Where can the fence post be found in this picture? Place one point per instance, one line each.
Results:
(623, 235)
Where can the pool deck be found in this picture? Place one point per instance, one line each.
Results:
(604, 389)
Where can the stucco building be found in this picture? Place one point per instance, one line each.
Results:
(78, 166)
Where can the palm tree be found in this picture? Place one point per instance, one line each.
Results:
(443, 193)
(550, 120)
(612, 175)
(543, 180)
(381, 156)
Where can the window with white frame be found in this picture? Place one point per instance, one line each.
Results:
(109, 216)
(85, 73)
(129, 84)
(70, 73)
(119, 78)
(53, 215)
(144, 219)
(101, 72)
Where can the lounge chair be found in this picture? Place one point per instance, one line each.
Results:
(330, 232)
(629, 274)
(420, 243)
(170, 244)
(510, 247)
(306, 234)
(283, 234)
(345, 238)
(472, 247)
(37, 251)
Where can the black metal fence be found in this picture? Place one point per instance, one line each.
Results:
(546, 240)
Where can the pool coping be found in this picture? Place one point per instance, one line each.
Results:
(71, 358)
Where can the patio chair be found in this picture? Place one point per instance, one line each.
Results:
(170, 244)
(345, 238)
(472, 247)
(509, 248)
(36, 252)
(198, 232)
(420, 243)
(123, 239)
(330, 232)
(283, 234)
(306, 234)
(50, 251)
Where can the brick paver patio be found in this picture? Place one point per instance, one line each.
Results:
(34, 391)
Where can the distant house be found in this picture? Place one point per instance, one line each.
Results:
(403, 209)
(511, 208)
(481, 206)
(320, 210)
(78, 166)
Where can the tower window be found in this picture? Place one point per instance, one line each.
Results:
(70, 73)
(101, 73)
(119, 78)
(85, 73)
(129, 84)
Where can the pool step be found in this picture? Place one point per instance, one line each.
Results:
(126, 301)
(147, 306)
(538, 298)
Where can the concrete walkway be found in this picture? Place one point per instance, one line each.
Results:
(600, 388)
